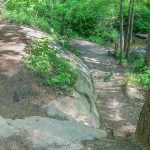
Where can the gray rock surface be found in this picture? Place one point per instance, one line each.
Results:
(143, 36)
(84, 97)
(52, 134)
(76, 106)
(81, 104)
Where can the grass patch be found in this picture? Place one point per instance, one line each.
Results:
(55, 71)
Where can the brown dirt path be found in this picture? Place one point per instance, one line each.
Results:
(116, 110)
(20, 93)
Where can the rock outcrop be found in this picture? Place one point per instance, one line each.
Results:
(31, 115)
(81, 103)
(45, 133)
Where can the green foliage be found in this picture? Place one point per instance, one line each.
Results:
(91, 20)
(142, 19)
(97, 21)
(139, 74)
(55, 71)
(125, 62)
(24, 17)
(138, 65)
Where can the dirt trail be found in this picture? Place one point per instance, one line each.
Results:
(116, 110)
(20, 93)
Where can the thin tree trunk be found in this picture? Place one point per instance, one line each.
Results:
(121, 31)
(147, 55)
(130, 30)
(116, 48)
(127, 33)
(143, 127)
(62, 25)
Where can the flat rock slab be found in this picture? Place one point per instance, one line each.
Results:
(52, 134)
(143, 36)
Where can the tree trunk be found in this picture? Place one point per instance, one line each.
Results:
(121, 31)
(116, 48)
(127, 33)
(130, 29)
(143, 127)
(147, 55)
(62, 25)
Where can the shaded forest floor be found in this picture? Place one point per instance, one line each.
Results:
(118, 113)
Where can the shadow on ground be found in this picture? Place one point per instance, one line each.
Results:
(20, 93)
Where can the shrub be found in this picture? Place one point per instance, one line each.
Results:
(81, 18)
(142, 19)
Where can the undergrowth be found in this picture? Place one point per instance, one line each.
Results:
(55, 71)
(139, 74)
